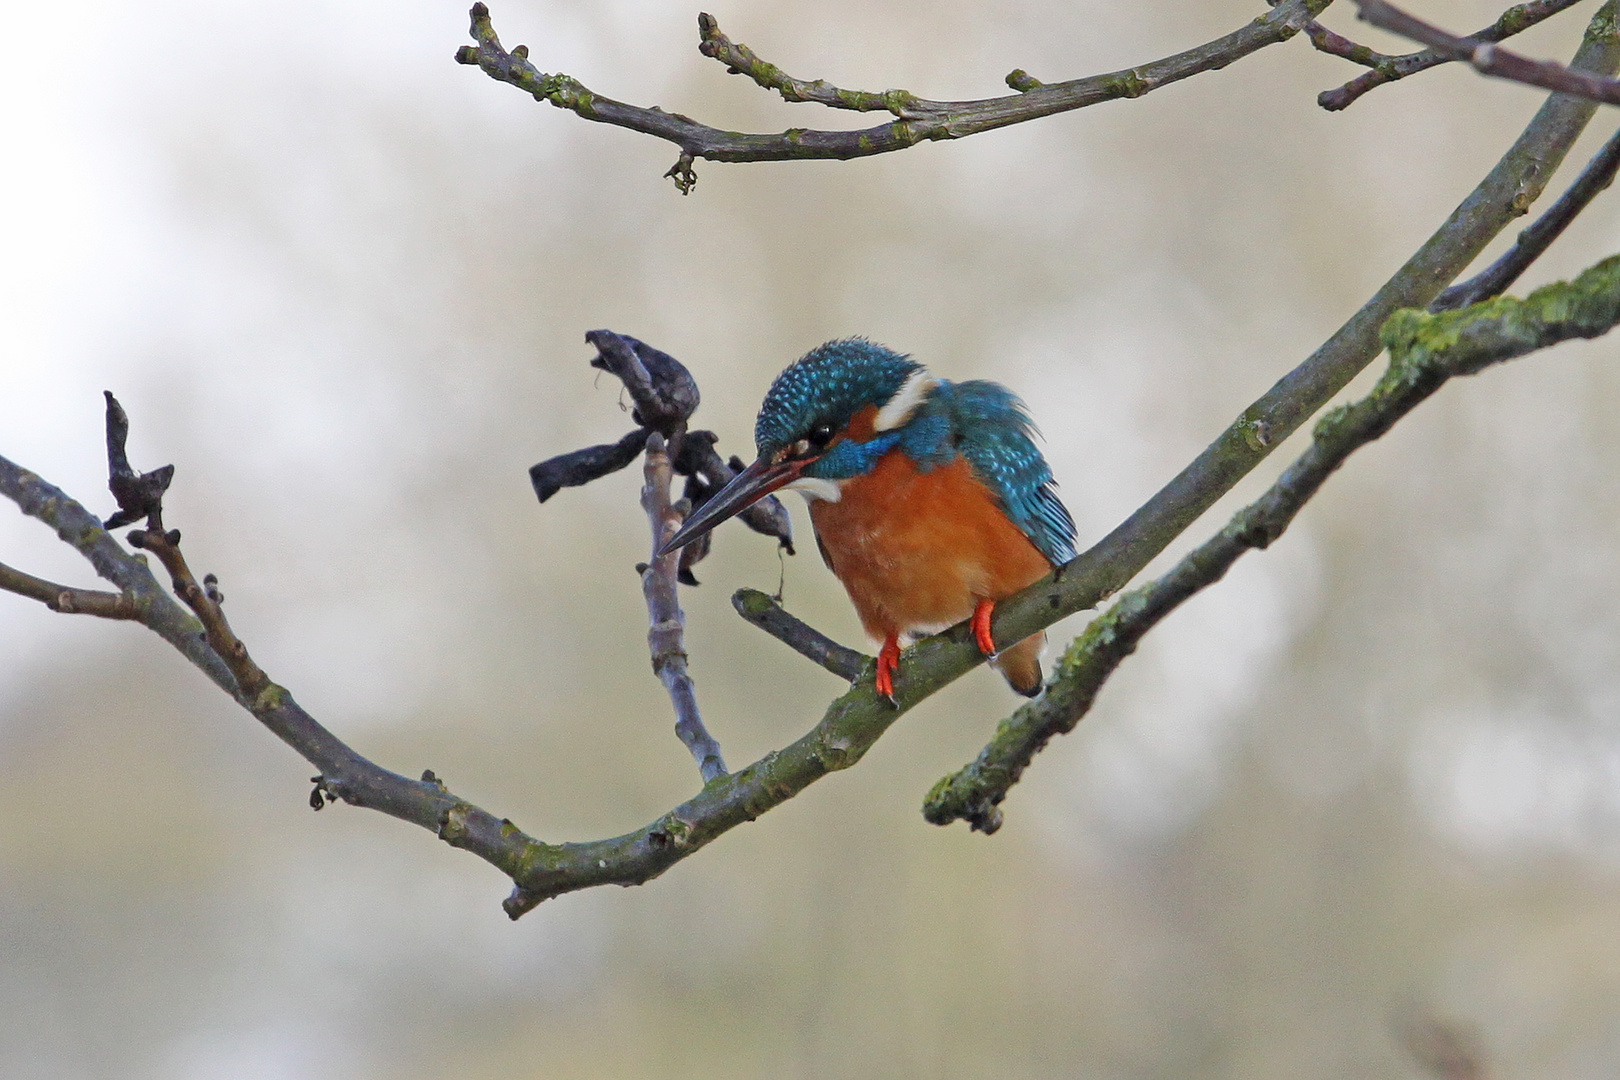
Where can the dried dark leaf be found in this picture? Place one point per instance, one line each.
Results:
(583, 466)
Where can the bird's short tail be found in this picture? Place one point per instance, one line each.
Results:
(1020, 664)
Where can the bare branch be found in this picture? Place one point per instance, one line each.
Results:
(1533, 242)
(764, 612)
(1487, 59)
(68, 600)
(1425, 351)
(917, 119)
(344, 774)
(1387, 69)
(666, 635)
(205, 603)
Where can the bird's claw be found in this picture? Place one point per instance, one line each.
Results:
(981, 627)
(888, 662)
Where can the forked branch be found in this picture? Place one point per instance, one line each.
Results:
(1388, 69)
(1487, 59)
(1534, 241)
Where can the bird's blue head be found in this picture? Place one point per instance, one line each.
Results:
(808, 406)
(816, 397)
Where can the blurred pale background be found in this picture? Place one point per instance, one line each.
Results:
(1371, 780)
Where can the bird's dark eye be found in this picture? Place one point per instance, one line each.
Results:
(820, 436)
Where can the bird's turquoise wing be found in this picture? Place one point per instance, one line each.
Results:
(990, 428)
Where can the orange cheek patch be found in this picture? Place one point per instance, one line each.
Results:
(860, 426)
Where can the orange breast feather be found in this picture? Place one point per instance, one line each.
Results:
(916, 550)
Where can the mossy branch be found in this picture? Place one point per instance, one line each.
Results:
(1425, 351)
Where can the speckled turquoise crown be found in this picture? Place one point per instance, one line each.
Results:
(828, 385)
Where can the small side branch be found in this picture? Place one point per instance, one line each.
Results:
(68, 600)
(741, 60)
(764, 612)
(1487, 59)
(916, 119)
(666, 636)
(1425, 351)
(1534, 241)
(1388, 69)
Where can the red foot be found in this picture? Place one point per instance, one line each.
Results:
(888, 663)
(981, 626)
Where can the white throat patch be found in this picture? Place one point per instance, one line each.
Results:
(900, 408)
(814, 487)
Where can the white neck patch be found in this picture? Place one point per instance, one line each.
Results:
(900, 408)
(814, 487)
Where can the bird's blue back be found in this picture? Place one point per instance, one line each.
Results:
(987, 424)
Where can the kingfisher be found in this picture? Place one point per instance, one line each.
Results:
(929, 498)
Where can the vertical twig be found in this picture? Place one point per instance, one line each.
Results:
(666, 635)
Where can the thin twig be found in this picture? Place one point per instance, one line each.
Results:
(1533, 242)
(764, 612)
(1424, 352)
(1387, 69)
(204, 602)
(917, 119)
(66, 599)
(666, 636)
(1487, 59)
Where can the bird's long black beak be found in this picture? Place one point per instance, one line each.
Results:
(746, 488)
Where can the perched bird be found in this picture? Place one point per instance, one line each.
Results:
(929, 498)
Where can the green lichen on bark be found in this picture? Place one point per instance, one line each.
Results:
(271, 698)
(1604, 25)
(1128, 84)
(1463, 341)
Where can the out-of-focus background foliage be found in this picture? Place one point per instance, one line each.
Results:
(1369, 782)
